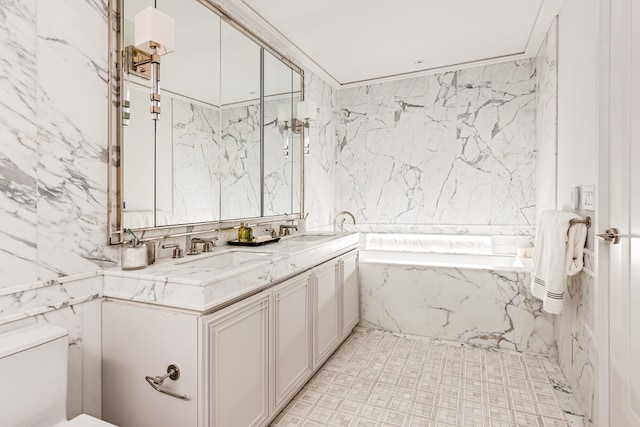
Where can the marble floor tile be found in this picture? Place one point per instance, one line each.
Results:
(381, 379)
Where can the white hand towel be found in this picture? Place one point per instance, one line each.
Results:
(553, 258)
(575, 249)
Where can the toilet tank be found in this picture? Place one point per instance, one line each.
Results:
(33, 376)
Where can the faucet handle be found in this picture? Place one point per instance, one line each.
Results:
(177, 251)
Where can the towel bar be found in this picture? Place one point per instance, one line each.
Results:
(586, 221)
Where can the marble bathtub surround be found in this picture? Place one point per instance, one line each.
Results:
(490, 307)
(451, 148)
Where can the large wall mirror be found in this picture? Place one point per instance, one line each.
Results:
(220, 150)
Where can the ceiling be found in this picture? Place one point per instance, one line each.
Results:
(355, 42)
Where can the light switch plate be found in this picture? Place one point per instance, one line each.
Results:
(589, 198)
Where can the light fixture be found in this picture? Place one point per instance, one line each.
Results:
(307, 111)
(284, 116)
(154, 37)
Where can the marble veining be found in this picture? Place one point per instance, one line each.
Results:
(196, 156)
(240, 161)
(488, 307)
(321, 168)
(451, 148)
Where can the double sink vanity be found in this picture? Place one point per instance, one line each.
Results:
(225, 338)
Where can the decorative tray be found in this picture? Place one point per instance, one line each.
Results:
(263, 242)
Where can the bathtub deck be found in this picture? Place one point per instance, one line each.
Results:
(384, 379)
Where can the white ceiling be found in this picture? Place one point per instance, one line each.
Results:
(352, 42)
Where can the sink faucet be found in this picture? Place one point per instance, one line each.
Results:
(284, 229)
(347, 213)
(207, 245)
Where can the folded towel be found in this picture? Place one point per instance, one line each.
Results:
(556, 254)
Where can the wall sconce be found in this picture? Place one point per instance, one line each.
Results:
(284, 116)
(154, 37)
(307, 111)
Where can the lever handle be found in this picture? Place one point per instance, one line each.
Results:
(610, 235)
(173, 373)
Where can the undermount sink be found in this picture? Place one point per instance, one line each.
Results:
(224, 259)
(310, 237)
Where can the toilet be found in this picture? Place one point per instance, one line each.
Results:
(33, 379)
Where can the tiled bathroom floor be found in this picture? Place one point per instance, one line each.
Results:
(383, 379)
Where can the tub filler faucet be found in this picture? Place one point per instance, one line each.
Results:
(344, 218)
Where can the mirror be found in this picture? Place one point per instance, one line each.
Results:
(218, 151)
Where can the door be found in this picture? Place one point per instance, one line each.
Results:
(623, 173)
(236, 364)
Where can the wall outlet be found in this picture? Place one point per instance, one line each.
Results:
(589, 198)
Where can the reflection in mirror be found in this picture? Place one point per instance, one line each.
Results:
(181, 150)
(280, 149)
(240, 119)
(209, 158)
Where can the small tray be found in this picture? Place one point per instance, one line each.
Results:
(264, 242)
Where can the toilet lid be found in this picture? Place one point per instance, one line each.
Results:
(85, 420)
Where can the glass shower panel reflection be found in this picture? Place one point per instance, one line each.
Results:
(240, 124)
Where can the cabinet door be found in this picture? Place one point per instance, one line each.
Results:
(236, 364)
(292, 338)
(350, 293)
(326, 312)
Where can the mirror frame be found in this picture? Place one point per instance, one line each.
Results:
(115, 175)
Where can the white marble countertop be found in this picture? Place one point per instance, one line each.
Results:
(203, 284)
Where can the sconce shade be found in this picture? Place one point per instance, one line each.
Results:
(307, 110)
(153, 25)
(284, 113)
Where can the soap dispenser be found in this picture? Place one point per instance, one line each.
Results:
(247, 234)
(241, 232)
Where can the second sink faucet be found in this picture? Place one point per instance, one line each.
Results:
(207, 245)
(284, 229)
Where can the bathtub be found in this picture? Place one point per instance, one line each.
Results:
(471, 261)
(480, 299)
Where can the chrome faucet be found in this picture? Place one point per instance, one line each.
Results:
(207, 245)
(347, 213)
(284, 229)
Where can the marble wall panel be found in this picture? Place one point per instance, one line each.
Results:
(484, 307)
(452, 148)
(574, 334)
(18, 145)
(53, 147)
(320, 164)
(71, 117)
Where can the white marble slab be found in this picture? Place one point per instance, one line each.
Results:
(199, 287)
(486, 307)
(452, 148)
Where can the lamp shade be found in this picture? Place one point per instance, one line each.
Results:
(284, 113)
(153, 25)
(307, 110)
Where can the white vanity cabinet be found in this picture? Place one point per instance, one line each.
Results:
(239, 365)
(326, 311)
(292, 342)
(350, 293)
(236, 363)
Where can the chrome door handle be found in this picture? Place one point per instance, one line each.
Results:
(610, 235)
